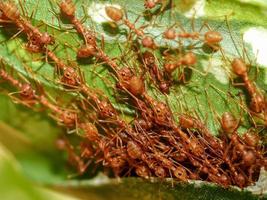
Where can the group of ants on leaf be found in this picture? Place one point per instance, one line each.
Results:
(153, 144)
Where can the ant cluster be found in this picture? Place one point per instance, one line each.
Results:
(153, 144)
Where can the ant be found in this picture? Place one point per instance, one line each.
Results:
(67, 9)
(66, 117)
(73, 158)
(211, 38)
(257, 100)
(36, 40)
(156, 74)
(30, 97)
(186, 60)
(149, 4)
(26, 92)
(116, 15)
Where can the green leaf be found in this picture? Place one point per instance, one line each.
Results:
(14, 185)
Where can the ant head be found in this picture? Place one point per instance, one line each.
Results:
(160, 172)
(90, 38)
(149, 58)
(170, 67)
(114, 13)
(117, 162)
(61, 143)
(106, 110)
(180, 173)
(69, 118)
(160, 107)
(257, 102)
(145, 125)
(86, 149)
(142, 171)
(67, 8)
(47, 39)
(27, 91)
(125, 73)
(69, 73)
(186, 121)
(164, 87)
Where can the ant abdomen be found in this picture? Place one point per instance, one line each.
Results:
(90, 131)
(86, 51)
(229, 123)
(148, 42)
(160, 172)
(249, 158)
(251, 139)
(239, 67)
(142, 171)
(27, 91)
(180, 173)
(189, 59)
(240, 180)
(134, 150)
(136, 86)
(186, 122)
(170, 34)
(114, 13)
(213, 37)
(10, 10)
(68, 8)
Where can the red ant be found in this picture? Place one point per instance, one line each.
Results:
(66, 117)
(156, 74)
(70, 76)
(29, 95)
(67, 8)
(258, 101)
(211, 38)
(25, 90)
(187, 60)
(73, 158)
(129, 82)
(149, 4)
(116, 15)
(37, 40)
